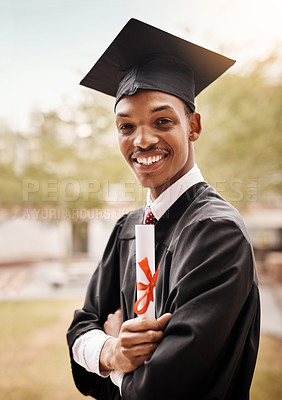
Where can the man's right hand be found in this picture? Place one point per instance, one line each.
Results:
(138, 339)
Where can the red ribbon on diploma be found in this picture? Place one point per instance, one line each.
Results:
(149, 289)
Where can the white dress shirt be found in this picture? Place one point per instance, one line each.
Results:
(87, 348)
(173, 192)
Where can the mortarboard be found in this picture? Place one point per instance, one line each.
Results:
(145, 57)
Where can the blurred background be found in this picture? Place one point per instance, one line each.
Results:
(63, 183)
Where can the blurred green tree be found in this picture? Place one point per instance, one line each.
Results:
(240, 150)
(70, 157)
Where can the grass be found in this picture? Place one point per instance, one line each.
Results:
(33, 351)
(34, 357)
(267, 382)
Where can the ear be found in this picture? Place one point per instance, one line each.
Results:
(195, 126)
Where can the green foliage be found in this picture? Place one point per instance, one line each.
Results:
(66, 160)
(240, 150)
(70, 157)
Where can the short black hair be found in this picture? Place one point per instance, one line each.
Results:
(187, 109)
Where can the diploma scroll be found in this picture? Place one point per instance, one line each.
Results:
(146, 276)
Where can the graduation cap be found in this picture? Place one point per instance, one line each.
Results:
(145, 57)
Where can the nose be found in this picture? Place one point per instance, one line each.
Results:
(144, 137)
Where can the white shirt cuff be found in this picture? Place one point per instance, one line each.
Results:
(86, 351)
(116, 378)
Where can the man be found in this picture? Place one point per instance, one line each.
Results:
(203, 343)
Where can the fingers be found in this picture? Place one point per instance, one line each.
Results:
(137, 340)
(116, 316)
(141, 324)
(144, 350)
(130, 339)
(113, 324)
(116, 354)
(129, 358)
(163, 319)
(144, 324)
(142, 331)
(118, 313)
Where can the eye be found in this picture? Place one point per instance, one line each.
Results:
(125, 128)
(163, 121)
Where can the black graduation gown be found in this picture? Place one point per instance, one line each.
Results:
(207, 280)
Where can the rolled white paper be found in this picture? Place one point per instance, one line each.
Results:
(145, 247)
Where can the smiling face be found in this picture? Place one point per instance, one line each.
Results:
(155, 137)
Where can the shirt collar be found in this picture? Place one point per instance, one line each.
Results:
(173, 192)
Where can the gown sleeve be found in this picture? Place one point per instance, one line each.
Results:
(210, 342)
(98, 305)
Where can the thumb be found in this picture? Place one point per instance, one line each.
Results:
(163, 319)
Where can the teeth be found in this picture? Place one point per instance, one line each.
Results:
(149, 160)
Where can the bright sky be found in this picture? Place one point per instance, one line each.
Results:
(47, 46)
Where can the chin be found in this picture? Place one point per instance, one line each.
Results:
(158, 187)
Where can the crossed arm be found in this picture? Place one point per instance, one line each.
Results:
(214, 304)
(132, 342)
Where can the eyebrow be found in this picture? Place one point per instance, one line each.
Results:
(154, 110)
(161, 108)
(123, 115)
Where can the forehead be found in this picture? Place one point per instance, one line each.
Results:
(148, 100)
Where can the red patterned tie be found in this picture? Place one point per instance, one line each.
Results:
(149, 217)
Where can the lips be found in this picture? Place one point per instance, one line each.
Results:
(147, 158)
